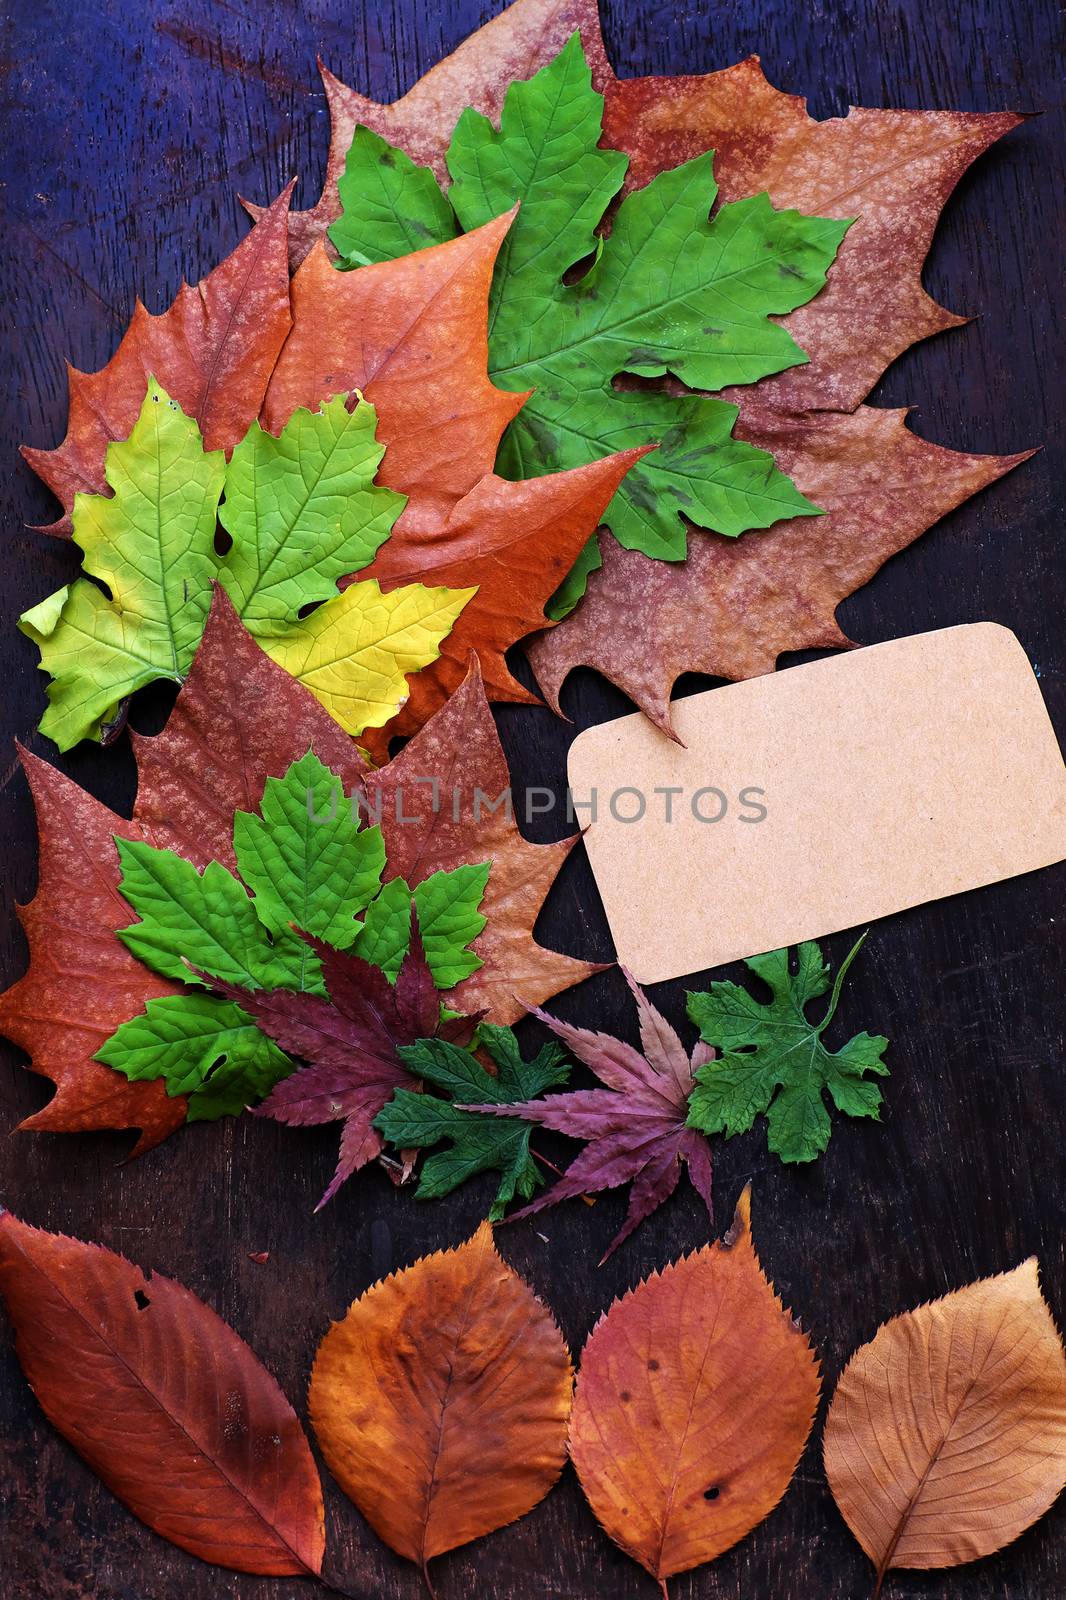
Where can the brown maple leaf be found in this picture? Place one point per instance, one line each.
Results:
(735, 605)
(733, 610)
(238, 720)
(213, 350)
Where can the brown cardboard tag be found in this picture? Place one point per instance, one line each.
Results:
(820, 798)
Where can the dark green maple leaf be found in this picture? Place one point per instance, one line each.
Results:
(477, 1142)
(669, 290)
(773, 1060)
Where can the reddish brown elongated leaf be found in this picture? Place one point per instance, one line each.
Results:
(513, 45)
(694, 1401)
(516, 542)
(432, 821)
(440, 1401)
(82, 981)
(164, 1401)
(212, 350)
(350, 1041)
(946, 1437)
(735, 605)
(239, 719)
(412, 336)
(634, 1128)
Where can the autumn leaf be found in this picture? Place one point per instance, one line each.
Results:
(773, 1062)
(634, 1128)
(694, 1401)
(446, 801)
(477, 1142)
(732, 608)
(946, 1437)
(212, 351)
(300, 511)
(352, 1035)
(440, 1400)
(165, 1403)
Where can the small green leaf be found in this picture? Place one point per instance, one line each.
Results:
(203, 920)
(390, 206)
(476, 1142)
(306, 860)
(773, 1061)
(205, 1048)
(303, 510)
(448, 919)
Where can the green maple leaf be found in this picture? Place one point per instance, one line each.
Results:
(773, 1060)
(476, 1142)
(668, 291)
(301, 510)
(449, 918)
(205, 1048)
(307, 861)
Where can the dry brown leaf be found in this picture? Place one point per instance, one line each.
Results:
(695, 1397)
(946, 1437)
(440, 1400)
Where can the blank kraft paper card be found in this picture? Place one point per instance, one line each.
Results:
(819, 798)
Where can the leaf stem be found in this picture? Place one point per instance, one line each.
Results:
(559, 1173)
(841, 975)
(427, 1579)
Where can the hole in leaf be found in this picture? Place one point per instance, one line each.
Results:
(141, 1299)
(223, 541)
(712, 1493)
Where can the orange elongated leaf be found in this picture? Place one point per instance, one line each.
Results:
(946, 1437)
(512, 45)
(735, 605)
(695, 1397)
(412, 336)
(212, 350)
(444, 801)
(440, 1401)
(165, 1402)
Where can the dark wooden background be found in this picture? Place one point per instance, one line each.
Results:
(129, 128)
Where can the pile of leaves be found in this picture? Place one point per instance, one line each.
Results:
(445, 1406)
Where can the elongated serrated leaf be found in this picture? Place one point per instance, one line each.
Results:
(303, 511)
(205, 1048)
(449, 918)
(354, 652)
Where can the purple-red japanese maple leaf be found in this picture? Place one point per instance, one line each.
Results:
(350, 1042)
(634, 1128)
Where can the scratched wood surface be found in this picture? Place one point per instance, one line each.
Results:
(129, 130)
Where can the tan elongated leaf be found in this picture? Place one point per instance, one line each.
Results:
(165, 1402)
(440, 1400)
(694, 1400)
(946, 1437)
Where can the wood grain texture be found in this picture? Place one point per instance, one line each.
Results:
(129, 129)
